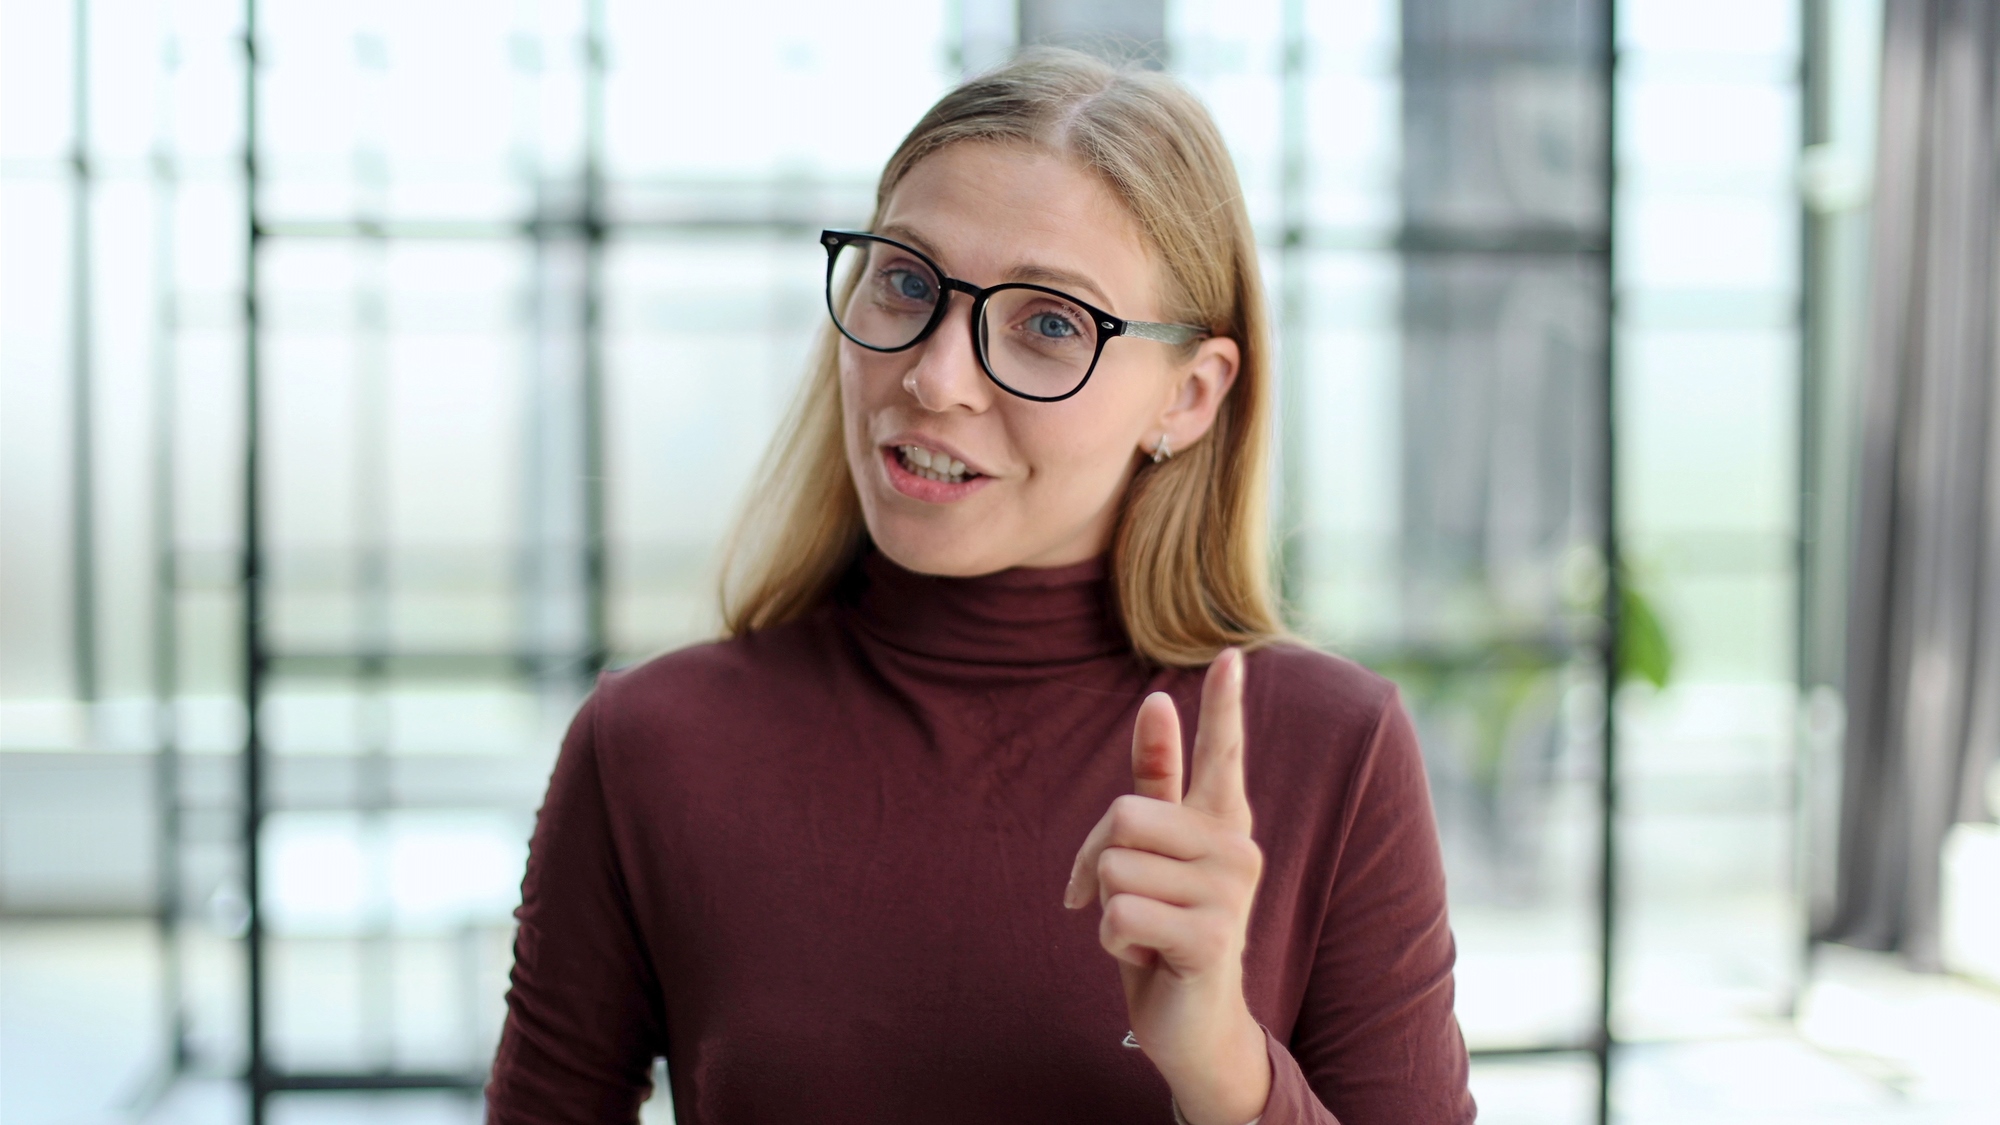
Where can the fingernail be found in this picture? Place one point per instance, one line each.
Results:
(1069, 895)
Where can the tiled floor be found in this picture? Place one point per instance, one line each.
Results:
(1872, 1044)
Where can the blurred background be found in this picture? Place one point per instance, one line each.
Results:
(357, 405)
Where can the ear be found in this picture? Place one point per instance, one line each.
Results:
(1196, 393)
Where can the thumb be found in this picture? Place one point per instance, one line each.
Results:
(1156, 750)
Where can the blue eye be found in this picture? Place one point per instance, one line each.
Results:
(910, 285)
(1051, 326)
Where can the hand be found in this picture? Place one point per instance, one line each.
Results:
(1175, 879)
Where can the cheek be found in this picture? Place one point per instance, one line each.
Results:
(872, 380)
(1093, 436)
(865, 381)
(1074, 453)
(854, 414)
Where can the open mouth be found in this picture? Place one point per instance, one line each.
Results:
(932, 465)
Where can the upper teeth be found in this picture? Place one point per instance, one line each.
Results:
(930, 465)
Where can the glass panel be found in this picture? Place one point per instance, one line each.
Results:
(37, 60)
(1708, 417)
(1230, 54)
(706, 337)
(396, 418)
(34, 453)
(802, 103)
(1450, 509)
(387, 110)
(391, 934)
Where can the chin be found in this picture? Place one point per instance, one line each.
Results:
(933, 550)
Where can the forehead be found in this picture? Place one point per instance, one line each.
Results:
(992, 212)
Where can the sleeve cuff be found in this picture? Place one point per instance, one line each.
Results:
(1292, 1100)
(1280, 1058)
(1179, 1120)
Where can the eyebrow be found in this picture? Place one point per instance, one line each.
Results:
(1030, 272)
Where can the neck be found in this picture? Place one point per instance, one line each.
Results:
(1022, 616)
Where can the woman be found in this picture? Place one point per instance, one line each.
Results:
(912, 843)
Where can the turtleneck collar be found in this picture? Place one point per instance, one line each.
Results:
(1020, 616)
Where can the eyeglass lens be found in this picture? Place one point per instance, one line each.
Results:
(1033, 341)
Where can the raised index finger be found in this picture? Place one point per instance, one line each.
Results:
(1217, 787)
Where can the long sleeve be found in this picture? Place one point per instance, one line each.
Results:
(1376, 1041)
(583, 1022)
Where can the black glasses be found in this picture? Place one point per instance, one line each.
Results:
(1032, 341)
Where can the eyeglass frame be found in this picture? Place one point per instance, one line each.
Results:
(1108, 326)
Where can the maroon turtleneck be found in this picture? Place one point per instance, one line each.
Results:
(820, 868)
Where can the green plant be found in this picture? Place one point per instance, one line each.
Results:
(1645, 651)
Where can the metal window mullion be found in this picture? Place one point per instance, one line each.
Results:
(1292, 305)
(376, 952)
(83, 515)
(1611, 635)
(595, 564)
(259, 1078)
(169, 872)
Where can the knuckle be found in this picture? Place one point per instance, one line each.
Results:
(1233, 851)
(1244, 854)
(1111, 868)
(1126, 812)
(1119, 913)
(1128, 805)
(1110, 939)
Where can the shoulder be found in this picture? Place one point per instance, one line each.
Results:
(1295, 690)
(722, 682)
(1332, 763)
(1321, 730)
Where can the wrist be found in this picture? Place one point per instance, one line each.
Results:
(1232, 1084)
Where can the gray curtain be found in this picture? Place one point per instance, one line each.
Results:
(1923, 659)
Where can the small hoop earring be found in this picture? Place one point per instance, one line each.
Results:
(1162, 451)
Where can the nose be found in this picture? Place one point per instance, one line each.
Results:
(946, 373)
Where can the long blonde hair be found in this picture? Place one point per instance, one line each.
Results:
(1189, 559)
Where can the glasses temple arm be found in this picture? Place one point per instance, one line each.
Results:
(1164, 333)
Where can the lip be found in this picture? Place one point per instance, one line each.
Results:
(923, 488)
